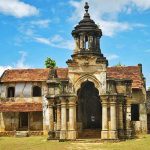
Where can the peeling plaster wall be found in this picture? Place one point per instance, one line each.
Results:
(23, 91)
(9, 121)
(45, 109)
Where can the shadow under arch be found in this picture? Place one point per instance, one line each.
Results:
(89, 110)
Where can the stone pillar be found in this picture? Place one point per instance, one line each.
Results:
(81, 41)
(2, 125)
(51, 121)
(104, 132)
(76, 44)
(90, 42)
(58, 117)
(63, 132)
(58, 125)
(72, 118)
(113, 131)
(120, 118)
(97, 44)
(128, 120)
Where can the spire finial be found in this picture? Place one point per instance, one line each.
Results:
(86, 7)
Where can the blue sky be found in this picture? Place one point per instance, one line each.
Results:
(31, 30)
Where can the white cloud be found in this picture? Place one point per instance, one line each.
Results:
(3, 68)
(21, 62)
(41, 23)
(56, 41)
(112, 56)
(106, 12)
(142, 4)
(17, 8)
(19, 65)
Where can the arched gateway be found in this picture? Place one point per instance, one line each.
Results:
(86, 100)
(89, 112)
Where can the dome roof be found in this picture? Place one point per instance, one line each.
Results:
(87, 25)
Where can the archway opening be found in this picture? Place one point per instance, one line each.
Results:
(89, 110)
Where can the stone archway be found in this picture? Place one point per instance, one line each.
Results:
(89, 111)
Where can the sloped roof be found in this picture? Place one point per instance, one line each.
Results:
(119, 72)
(16, 75)
(62, 73)
(129, 72)
(20, 107)
(22, 75)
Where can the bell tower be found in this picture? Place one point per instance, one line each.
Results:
(87, 58)
(87, 38)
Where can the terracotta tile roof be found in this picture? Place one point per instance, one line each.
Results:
(16, 75)
(22, 75)
(20, 107)
(129, 72)
(62, 73)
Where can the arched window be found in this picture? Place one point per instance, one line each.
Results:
(36, 91)
(86, 42)
(11, 92)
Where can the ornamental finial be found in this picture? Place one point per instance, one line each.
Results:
(86, 7)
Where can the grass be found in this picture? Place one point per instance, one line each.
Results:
(40, 143)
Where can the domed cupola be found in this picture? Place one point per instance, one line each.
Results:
(87, 35)
(87, 43)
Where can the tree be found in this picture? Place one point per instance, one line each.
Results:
(50, 63)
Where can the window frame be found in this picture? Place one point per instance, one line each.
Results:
(35, 86)
(8, 93)
(135, 114)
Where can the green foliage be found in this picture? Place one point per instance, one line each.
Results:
(149, 88)
(50, 63)
(119, 64)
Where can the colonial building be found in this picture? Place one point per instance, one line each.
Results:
(87, 99)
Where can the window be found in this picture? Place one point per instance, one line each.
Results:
(134, 112)
(36, 91)
(11, 92)
(86, 42)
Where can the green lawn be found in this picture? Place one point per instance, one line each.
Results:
(40, 143)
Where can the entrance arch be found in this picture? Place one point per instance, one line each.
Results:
(89, 111)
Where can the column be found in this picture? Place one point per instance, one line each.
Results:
(51, 118)
(104, 132)
(58, 117)
(113, 131)
(72, 118)
(76, 44)
(63, 119)
(51, 121)
(128, 120)
(82, 41)
(2, 125)
(120, 118)
(58, 125)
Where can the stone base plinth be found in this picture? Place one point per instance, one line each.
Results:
(128, 133)
(63, 135)
(72, 135)
(113, 134)
(104, 134)
(51, 135)
(57, 134)
(121, 133)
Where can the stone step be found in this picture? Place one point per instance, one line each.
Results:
(88, 133)
(22, 134)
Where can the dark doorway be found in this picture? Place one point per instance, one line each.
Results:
(23, 120)
(89, 106)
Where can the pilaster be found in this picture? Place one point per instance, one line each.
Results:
(63, 132)
(72, 118)
(104, 132)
